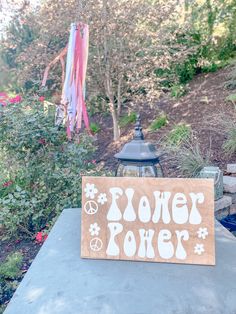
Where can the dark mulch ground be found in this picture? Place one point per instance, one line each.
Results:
(28, 248)
(206, 96)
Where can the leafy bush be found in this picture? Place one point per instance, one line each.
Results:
(178, 134)
(11, 268)
(46, 172)
(10, 271)
(231, 81)
(158, 123)
(127, 119)
(229, 146)
(95, 128)
(232, 98)
(7, 289)
(192, 160)
(177, 91)
(188, 157)
(224, 124)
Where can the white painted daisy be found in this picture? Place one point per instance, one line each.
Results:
(202, 233)
(199, 249)
(90, 190)
(102, 198)
(94, 229)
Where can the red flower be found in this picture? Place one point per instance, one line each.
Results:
(41, 98)
(15, 100)
(40, 237)
(7, 183)
(18, 98)
(42, 141)
(12, 100)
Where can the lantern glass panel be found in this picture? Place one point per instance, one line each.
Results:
(148, 171)
(127, 171)
(120, 170)
(159, 171)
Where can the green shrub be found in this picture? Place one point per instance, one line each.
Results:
(178, 91)
(46, 176)
(11, 268)
(224, 124)
(10, 271)
(127, 119)
(178, 134)
(231, 82)
(158, 123)
(211, 67)
(7, 288)
(95, 128)
(185, 71)
(187, 157)
(232, 98)
(229, 146)
(192, 160)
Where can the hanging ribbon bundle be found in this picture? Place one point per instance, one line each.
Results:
(73, 92)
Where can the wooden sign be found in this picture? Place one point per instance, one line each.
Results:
(148, 219)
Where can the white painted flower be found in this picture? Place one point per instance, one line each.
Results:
(202, 233)
(94, 229)
(102, 198)
(199, 249)
(90, 190)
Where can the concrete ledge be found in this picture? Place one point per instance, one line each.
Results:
(229, 184)
(233, 197)
(231, 168)
(223, 202)
(60, 282)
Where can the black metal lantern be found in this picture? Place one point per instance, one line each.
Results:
(138, 158)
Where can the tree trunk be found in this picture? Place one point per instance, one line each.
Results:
(116, 129)
(119, 97)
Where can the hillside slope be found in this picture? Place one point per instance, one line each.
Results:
(206, 96)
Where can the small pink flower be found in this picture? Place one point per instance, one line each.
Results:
(18, 98)
(42, 141)
(15, 100)
(12, 100)
(93, 161)
(41, 98)
(7, 183)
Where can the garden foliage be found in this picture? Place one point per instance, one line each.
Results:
(138, 48)
(10, 272)
(40, 170)
(185, 153)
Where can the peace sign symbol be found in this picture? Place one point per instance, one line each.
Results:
(96, 244)
(91, 207)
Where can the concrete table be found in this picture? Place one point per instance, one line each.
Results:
(59, 281)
